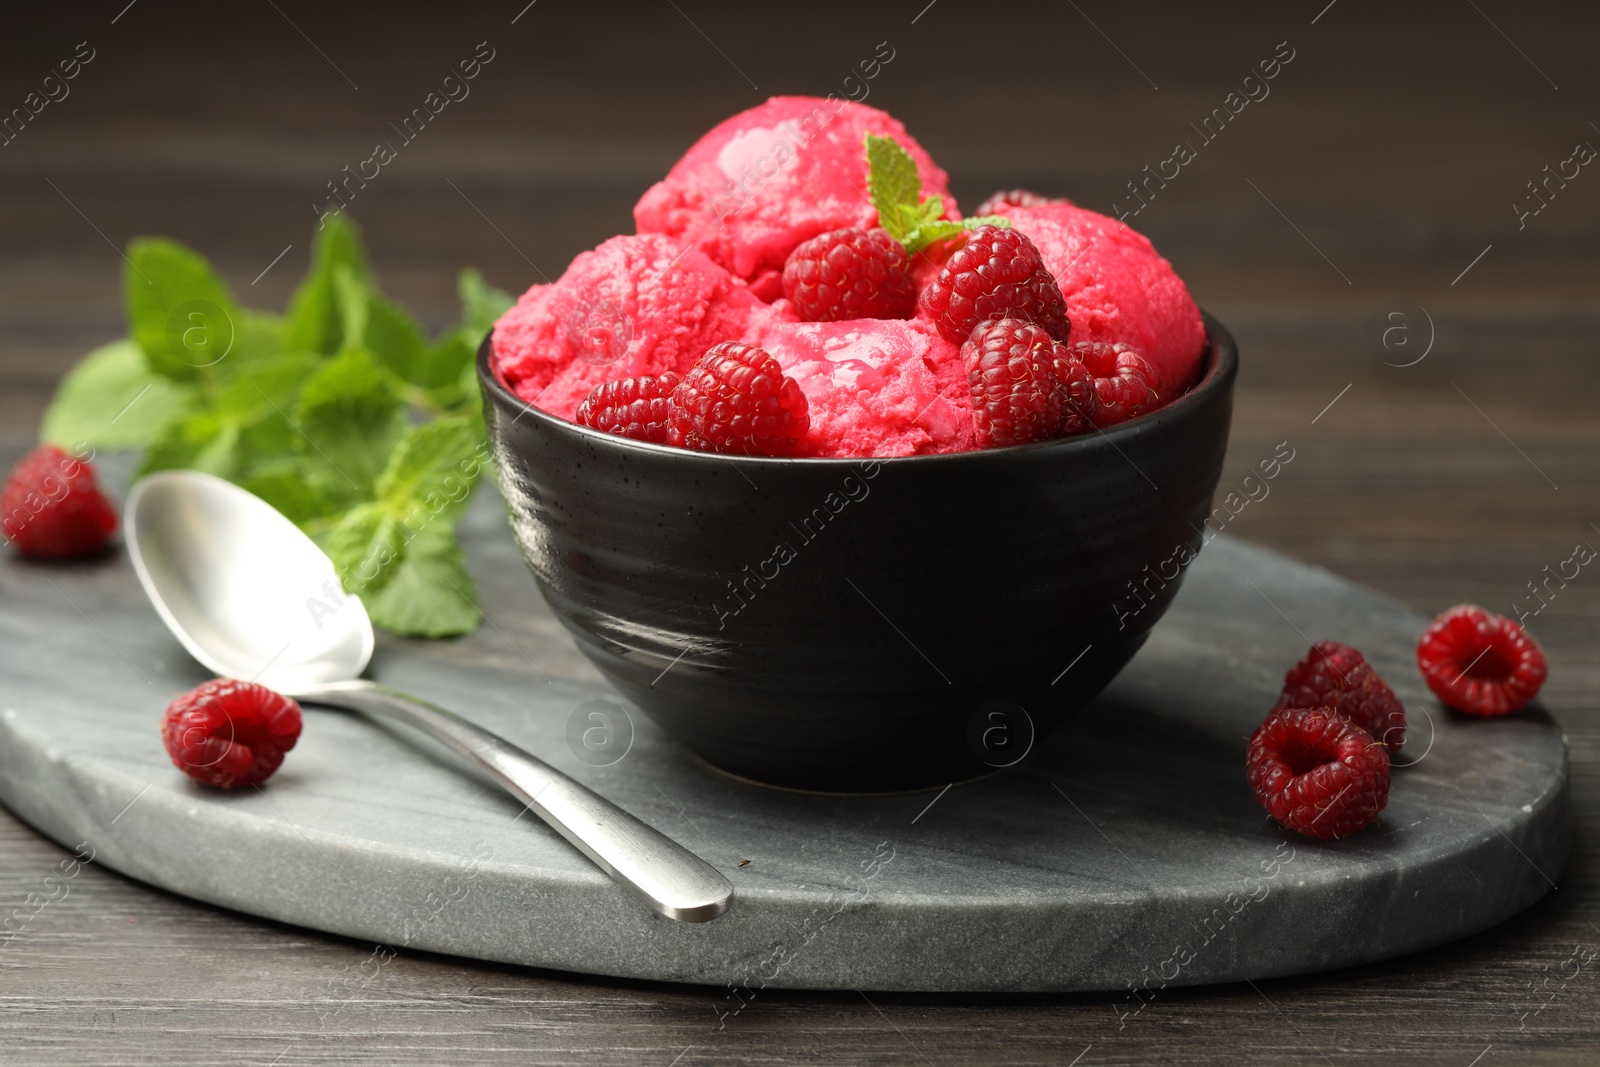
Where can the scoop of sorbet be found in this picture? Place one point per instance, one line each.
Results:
(761, 182)
(876, 387)
(1118, 289)
(635, 305)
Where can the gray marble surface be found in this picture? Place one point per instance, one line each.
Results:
(1126, 853)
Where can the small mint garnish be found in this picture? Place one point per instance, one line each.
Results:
(896, 191)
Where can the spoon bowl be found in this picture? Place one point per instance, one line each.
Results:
(241, 587)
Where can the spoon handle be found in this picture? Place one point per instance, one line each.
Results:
(670, 878)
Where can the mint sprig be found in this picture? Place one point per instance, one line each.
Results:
(340, 412)
(896, 191)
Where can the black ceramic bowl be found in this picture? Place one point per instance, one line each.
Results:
(863, 625)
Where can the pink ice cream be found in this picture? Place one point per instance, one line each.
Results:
(635, 305)
(705, 266)
(1118, 288)
(876, 387)
(771, 177)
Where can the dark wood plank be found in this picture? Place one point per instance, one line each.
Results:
(1395, 141)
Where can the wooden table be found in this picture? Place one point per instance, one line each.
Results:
(1382, 168)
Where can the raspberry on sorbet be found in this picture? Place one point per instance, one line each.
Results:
(1001, 202)
(1025, 386)
(850, 274)
(737, 400)
(1122, 380)
(631, 407)
(997, 273)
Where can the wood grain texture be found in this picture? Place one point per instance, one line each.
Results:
(1385, 159)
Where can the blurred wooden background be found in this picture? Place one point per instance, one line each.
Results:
(1378, 175)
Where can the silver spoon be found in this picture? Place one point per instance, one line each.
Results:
(235, 582)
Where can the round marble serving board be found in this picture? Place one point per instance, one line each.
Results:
(1125, 851)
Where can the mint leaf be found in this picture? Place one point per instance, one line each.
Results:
(349, 419)
(433, 472)
(896, 189)
(469, 385)
(465, 397)
(260, 407)
(431, 593)
(244, 424)
(269, 390)
(112, 399)
(283, 484)
(931, 228)
(455, 353)
(394, 338)
(314, 323)
(366, 546)
(907, 218)
(179, 312)
(481, 304)
(422, 492)
(383, 329)
(451, 359)
(201, 442)
(892, 182)
(259, 337)
(926, 233)
(350, 302)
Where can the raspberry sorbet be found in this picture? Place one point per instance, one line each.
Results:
(814, 179)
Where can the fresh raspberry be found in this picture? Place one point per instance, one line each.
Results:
(850, 274)
(229, 733)
(1015, 394)
(1122, 380)
(632, 407)
(1339, 677)
(51, 506)
(1480, 663)
(996, 274)
(1001, 202)
(1025, 387)
(1080, 407)
(1317, 773)
(737, 399)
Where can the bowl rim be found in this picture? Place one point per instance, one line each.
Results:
(1221, 367)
